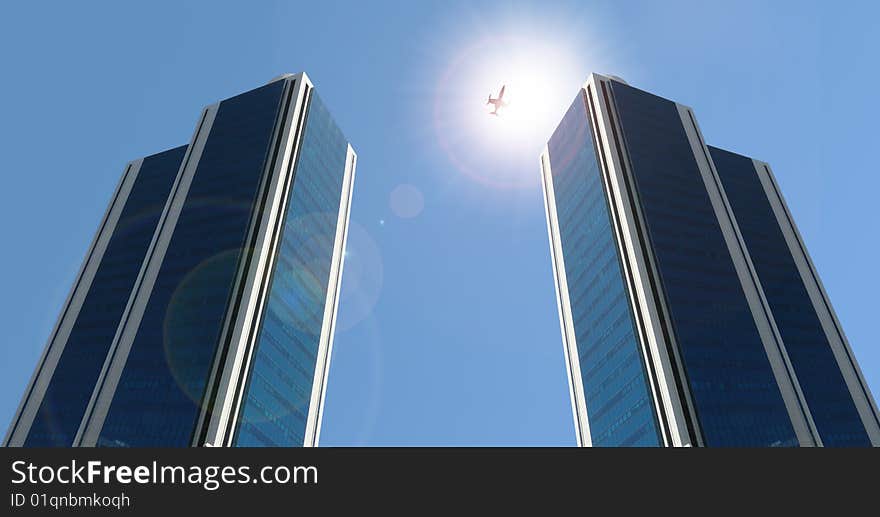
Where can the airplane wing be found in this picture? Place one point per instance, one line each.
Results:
(501, 93)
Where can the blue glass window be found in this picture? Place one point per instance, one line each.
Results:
(279, 388)
(61, 411)
(821, 380)
(738, 402)
(619, 404)
(160, 392)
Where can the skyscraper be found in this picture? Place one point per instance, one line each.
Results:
(204, 310)
(691, 313)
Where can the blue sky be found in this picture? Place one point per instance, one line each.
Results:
(448, 326)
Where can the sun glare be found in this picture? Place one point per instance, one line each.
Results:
(533, 85)
(540, 79)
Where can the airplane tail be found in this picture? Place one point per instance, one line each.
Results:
(490, 99)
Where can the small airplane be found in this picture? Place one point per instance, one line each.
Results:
(498, 102)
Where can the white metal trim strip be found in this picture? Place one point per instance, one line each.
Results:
(563, 302)
(328, 330)
(642, 267)
(229, 395)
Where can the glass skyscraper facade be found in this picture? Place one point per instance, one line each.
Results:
(725, 343)
(223, 297)
(279, 388)
(82, 338)
(608, 354)
(810, 346)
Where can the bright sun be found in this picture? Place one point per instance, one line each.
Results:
(534, 89)
(540, 80)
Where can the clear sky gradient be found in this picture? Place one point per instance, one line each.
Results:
(449, 332)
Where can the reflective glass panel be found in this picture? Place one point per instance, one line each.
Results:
(279, 389)
(619, 404)
(159, 394)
